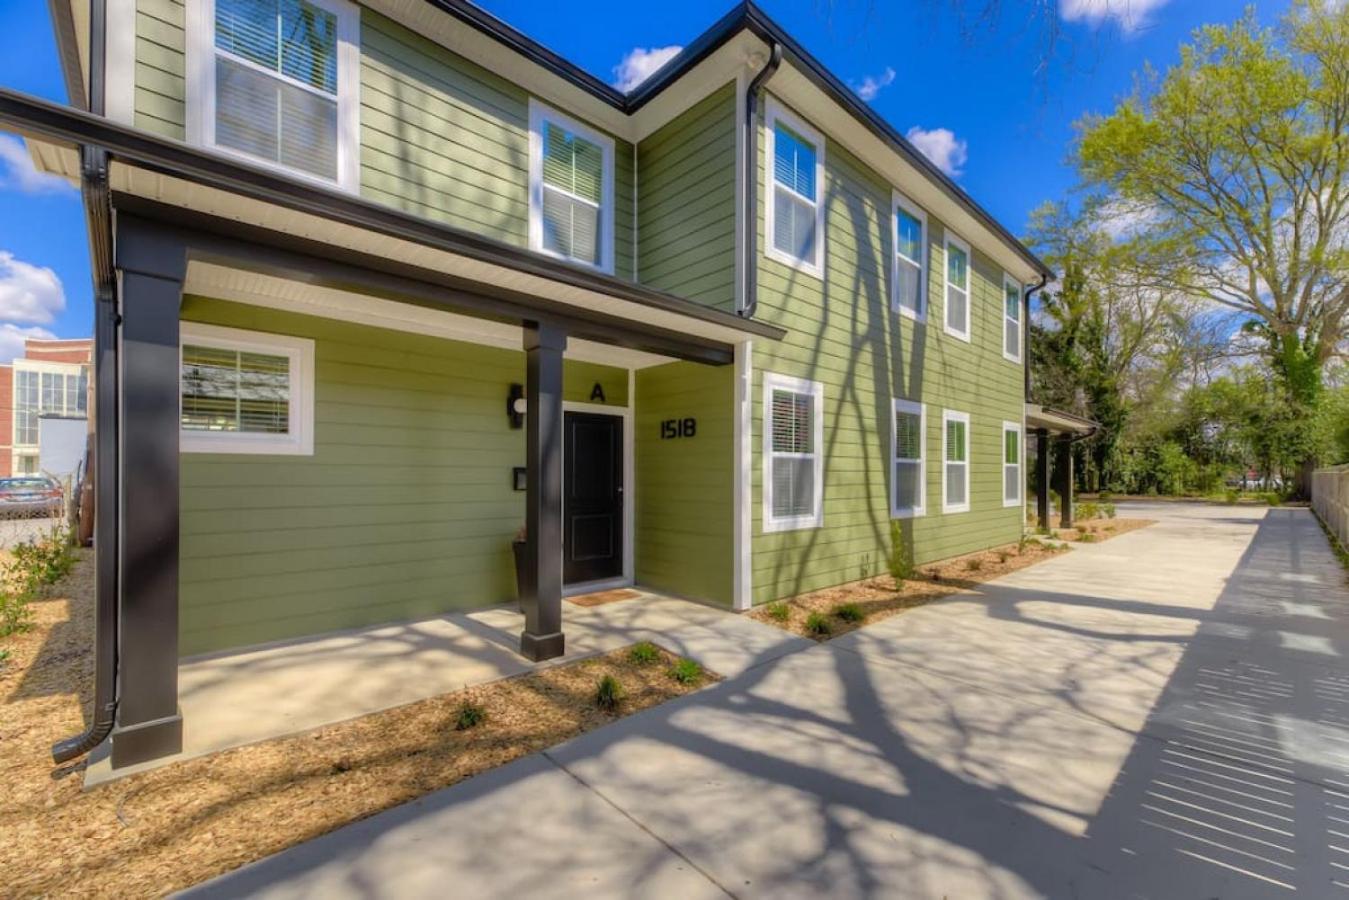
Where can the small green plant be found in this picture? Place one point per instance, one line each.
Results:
(1105, 496)
(1230, 496)
(779, 611)
(4, 658)
(1108, 510)
(16, 613)
(644, 654)
(818, 625)
(973, 564)
(609, 693)
(686, 671)
(849, 612)
(1272, 498)
(43, 561)
(470, 715)
(900, 562)
(1086, 537)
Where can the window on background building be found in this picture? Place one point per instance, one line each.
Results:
(909, 489)
(38, 393)
(910, 251)
(272, 83)
(244, 392)
(1011, 464)
(957, 287)
(956, 462)
(1011, 320)
(793, 459)
(795, 208)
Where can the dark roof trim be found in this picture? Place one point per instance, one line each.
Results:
(33, 116)
(744, 16)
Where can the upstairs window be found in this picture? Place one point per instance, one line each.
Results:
(245, 392)
(277, 81)
(571, 189)
(1011, 320)
(910, 288)
(909, 488)
(793, 459)
(956, 462)
(957, 287)
(795, 209)
(1011, 464)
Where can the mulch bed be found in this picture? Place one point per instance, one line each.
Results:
(1100, 529)
(165, 830)
(881, 597)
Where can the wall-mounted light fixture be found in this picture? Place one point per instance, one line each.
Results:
(515, 405)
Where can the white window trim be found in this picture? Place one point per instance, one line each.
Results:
(772, 382)
(300, 352)
(773, 113)
(946, 286)
(909, 512)
(201, 93)
(897, 202)
(1019, 465)
(539, 114)
(951, 415)
(1009, 281)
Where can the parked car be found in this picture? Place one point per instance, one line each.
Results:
(30, 497)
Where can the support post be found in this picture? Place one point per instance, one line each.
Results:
(542, 637)
(1066, 481)
(151, 264)
(1042, 478)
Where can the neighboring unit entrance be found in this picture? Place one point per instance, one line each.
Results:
(592, 501)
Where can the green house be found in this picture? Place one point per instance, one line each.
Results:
(383, 285)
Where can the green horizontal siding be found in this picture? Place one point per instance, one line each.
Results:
(405, 509)
(686, 203)
(843, 333)
(685, 486)
(161, 87)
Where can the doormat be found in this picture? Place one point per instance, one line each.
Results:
(602, 597)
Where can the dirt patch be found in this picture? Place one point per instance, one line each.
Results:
(881, 597)
(164, 830)
(1100, 529)
(602, 597)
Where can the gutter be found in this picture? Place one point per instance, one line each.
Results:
(750, 218)
(1025, 341)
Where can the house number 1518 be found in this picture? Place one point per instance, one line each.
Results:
(678, 428)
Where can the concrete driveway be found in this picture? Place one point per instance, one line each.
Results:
(1162, 715)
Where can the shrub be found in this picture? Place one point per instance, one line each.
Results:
(973, 564)
(849, 612)
(1088, 510)
(686, 671)
(470, 715)
(1108, 510)
(1271, 497)
(900, 562)
(1106, 496)
(1230, 496)
(43, 561)
(1086, 537)
(779, 611)
(644, 654)
(818, 624)
(16, 595)
(609, 693)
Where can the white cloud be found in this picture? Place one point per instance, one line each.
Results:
(18, 172)
(12, 338)
(1122, 219)
(941, 146)
(872, 84)
(1130, 15)
(639, 65)
(29, 294)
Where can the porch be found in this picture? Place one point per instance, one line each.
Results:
(255, 694)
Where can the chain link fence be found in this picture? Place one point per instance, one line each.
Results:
(30, 515)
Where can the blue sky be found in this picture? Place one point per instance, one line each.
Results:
(986, 109)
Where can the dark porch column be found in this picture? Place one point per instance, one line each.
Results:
(1042, 478)
(544, 343)
(151, 265)
(1066, 481)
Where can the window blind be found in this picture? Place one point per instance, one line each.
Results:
(573, 191)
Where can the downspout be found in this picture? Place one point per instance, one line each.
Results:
(750, 302)
(1025, 314)
(98, 218)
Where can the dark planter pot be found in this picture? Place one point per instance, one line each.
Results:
(523, 585)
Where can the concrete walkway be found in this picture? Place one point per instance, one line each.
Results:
(1162, 715)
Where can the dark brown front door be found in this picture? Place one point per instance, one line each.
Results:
(592, 501)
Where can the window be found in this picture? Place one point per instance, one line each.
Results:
(793, 455)
(794, 160)
(1011, 464)
(246, 392)
(957, 287)
(955, 451)
(910, 287)
(1011, 320)
(61, 391)
(278, 82)
(571, 189)
(909, 479)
